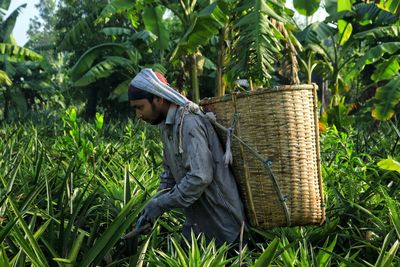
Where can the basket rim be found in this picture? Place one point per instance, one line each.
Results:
(279, 88)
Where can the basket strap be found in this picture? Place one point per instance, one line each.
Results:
(266, 162)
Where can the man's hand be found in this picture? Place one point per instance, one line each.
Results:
(151, 212)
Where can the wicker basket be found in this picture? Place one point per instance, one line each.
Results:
(281, 125)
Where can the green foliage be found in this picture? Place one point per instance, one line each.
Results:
(389, 5)
(374, 55)
(82, 29)
(8, 25)
(389, 164)
(258, 41)
(153, 21)
(203, 26)
(387, 97)
(85, 63)
(306, 8)
(72, 188)
(15, 53)
(61, 208)
(268, 255)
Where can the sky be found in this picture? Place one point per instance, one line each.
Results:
(22, 24)
(30, 11)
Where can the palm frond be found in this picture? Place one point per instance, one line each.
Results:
(386, 99)
(82, 29)
(15, 53)
(153, 20)
(392, 31)
(258, 42)
(8, 25)
(4, 78)
(102, 70)
(5, 4)
(207, 23)
(116, 31)
(115, 7)
(87, 59)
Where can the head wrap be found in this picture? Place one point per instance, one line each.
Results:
(156, 84)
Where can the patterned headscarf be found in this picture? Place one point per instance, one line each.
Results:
(156, 84)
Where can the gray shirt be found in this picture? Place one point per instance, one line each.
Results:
(200, 182)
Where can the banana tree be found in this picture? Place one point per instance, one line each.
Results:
(261, 30)
(131, 35)
(203, 20)
(11, 53)
(342, 45)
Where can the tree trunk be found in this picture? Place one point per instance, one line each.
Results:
(194, 79)
(7, 98)
(90, 111)
(220, 82)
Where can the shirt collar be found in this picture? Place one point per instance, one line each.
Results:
(170, 119)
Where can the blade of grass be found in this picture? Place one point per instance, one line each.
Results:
(75, 249)
(323, 257)
(375, 219)
(4, 261)
(111, 235)
(183, 259)
(387, 262)
(394, 212)
(32, 241)
(385, 245)
(268, 255)
(7, 229)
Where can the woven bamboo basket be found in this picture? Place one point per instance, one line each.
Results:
(280, 181)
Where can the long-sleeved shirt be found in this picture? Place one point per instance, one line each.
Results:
(200, 182)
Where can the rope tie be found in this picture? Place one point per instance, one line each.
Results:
(228, 157)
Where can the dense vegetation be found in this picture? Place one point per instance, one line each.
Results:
(77, 168)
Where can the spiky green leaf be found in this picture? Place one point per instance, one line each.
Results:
(268, 255)
(110, 236)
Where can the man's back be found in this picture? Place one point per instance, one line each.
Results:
(205, 188)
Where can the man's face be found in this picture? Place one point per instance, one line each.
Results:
(148, 111)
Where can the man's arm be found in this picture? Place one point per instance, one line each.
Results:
(166, 179)
(197, 161)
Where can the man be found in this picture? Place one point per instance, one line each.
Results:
(194, 171)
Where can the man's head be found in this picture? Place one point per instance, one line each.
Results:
(149, 107)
